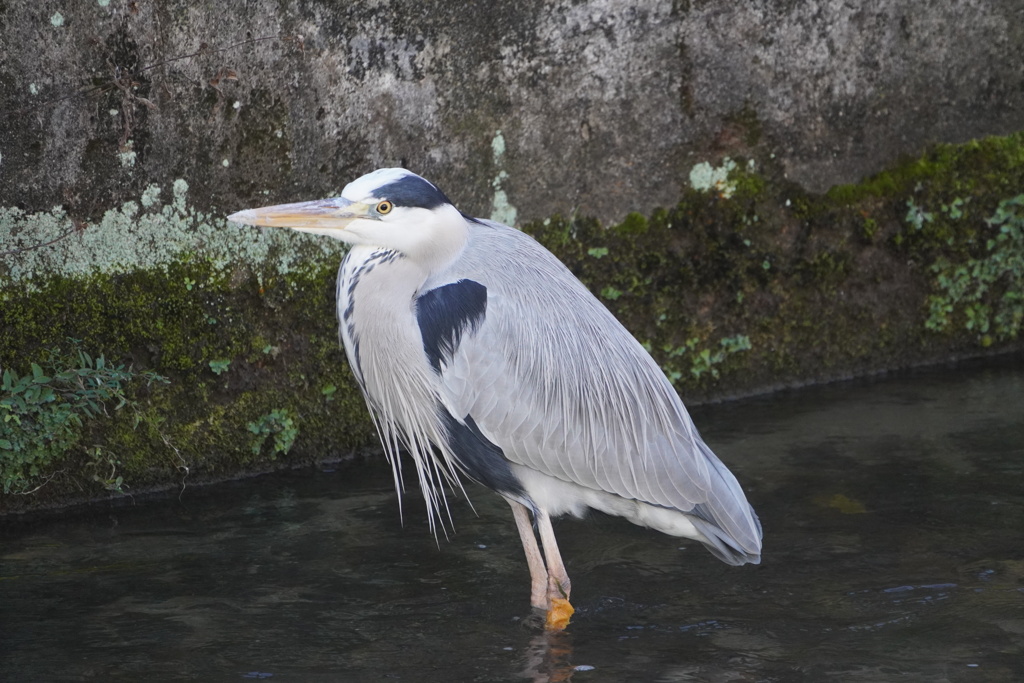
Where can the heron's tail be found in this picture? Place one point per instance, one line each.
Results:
(729, 524)
(724, 547)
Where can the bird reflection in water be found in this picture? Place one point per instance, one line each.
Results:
(548, 658)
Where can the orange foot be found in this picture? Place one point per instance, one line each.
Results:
(558, 615)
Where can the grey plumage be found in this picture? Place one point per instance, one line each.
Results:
(480, 354)
(556, 382)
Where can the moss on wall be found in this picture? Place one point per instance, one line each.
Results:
(821, 286)
(748, 283)
(240, 321)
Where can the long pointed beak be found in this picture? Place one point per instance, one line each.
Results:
(322, 216)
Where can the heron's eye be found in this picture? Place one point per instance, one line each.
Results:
(384, 207)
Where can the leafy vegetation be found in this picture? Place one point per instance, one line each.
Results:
(702, 362)
(219, 365)
(753, 284)
(278, 423)
(984, 294)
(44, 413)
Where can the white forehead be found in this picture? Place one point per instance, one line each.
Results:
(365, 187)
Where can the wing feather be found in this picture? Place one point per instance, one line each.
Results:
(556, 382)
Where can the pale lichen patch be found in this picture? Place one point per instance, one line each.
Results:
(707, 178)
(127, 156)
(502, 210)
(144, 234)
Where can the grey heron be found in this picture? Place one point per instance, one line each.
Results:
(480, 354)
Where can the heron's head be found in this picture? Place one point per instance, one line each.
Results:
(391, 208)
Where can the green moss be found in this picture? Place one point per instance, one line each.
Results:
(199, 421)
(257, 302)
(749, 184)
(747, 282)
(820, 284)
(988, 165)
(634, 224)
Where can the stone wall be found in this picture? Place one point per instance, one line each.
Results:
(518, 110)
(128, 129)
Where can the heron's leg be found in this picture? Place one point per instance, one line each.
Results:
(538, 572)
(558, 578)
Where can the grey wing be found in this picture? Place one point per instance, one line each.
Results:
(556, 382)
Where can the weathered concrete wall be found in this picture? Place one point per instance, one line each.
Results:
(128, 129)
(518, 109)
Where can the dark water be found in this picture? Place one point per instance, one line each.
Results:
(893, 513)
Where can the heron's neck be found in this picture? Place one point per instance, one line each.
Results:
(376, 308)
(380, 277)
(448, 238)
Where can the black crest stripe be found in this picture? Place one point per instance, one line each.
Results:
(444, 314)
(412, 190)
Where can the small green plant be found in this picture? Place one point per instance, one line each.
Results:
(278, 423)
(106, 466)
(219, 365)
(611, 293)
(328, 392)
(598, 252)
(870, 228)
(43, 413)
(955, 209)
(704, 361)
(987, 293)
(917, 216)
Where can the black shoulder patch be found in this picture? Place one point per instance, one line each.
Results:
(445, 313)
(411, 190)
(482, 460)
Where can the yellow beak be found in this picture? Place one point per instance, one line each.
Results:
(320, 216)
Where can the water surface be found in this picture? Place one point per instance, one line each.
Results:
(893, 512)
